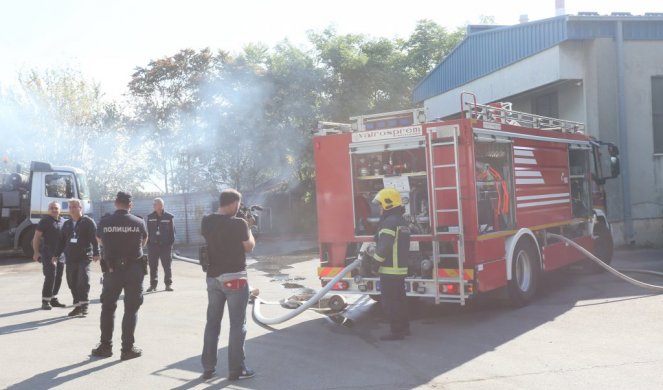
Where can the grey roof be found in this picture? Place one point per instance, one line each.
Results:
(486, 50)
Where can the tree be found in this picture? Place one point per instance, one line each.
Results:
(427, 46)
(166, 94)
(78, 127)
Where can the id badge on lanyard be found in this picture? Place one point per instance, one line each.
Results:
(74, 239)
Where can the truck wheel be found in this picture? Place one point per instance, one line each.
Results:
(603, 247)
(26, 241)
(525, 271)
(337, 303)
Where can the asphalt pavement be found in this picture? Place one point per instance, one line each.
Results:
(584, 331)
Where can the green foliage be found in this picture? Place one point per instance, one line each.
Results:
(201, 120)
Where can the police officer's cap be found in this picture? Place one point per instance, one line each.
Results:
(123, 197)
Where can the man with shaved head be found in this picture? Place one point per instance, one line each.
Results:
(161, 231)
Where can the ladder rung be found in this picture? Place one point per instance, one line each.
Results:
(445, 188)
(444, 166)
(446, 210)
(447, 256)
(442, 143)
(448, 233)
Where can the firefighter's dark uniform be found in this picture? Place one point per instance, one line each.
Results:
(392, 248)
(161, 231)
(122, 234)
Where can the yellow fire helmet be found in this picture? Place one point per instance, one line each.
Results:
(388, 198)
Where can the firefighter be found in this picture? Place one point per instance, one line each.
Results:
(392, 248)
(161, 230)
(123, 236)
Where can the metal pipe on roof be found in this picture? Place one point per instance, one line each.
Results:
(623, 136)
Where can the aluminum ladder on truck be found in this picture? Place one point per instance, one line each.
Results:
(440, 138)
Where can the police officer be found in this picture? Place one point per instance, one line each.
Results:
(161, 230)
(53, 267)
(392, 248)
(78, 241)
(122, 236)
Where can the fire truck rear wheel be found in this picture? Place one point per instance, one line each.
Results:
(603, 247)
(525, 272)
(337, 303)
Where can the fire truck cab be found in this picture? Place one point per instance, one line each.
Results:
(480, 193)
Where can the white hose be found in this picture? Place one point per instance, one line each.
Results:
(606, 266)
(293, 313)
(187, 259)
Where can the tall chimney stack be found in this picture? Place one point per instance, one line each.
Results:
(559, 8)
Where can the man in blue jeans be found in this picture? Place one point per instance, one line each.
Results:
(228, 239)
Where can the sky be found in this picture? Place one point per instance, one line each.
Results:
(107, 40)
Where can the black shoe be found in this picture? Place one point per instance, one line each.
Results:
(392, 337)
(56, 303)
(152, 289)
(103, 350)
(45, 305)
(83, 310)
(168, 288)
(246, 373)
(130, 353)
(75, 312)
(208, 375)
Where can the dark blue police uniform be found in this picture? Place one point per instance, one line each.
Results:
(121, 234)
(161, 231)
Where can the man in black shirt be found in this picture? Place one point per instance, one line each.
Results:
(123, 236)
(161, 230)
(228, 240)
(78, 241)
(53, 267)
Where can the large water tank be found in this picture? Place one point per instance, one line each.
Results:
(14, 181)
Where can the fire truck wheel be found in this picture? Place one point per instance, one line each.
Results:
(26, 241)
(337, 303)
(525, 272)
(603, 247)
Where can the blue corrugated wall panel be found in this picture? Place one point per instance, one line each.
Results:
(484, 52)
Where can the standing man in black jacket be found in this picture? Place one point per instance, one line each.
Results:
(49, 229)
(161, 230)
(123, 236)
(79, 243)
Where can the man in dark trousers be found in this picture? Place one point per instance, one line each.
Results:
(53, 267)
(392, 248)
(228, 240)
(78, 241)
(122, 236)
(161, 230)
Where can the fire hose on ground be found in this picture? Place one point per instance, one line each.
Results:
(611, 269)
(315, 298)
(257, 302)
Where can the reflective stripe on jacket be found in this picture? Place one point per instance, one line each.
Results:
(392, 244)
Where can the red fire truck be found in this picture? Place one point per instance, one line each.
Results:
(480, 193)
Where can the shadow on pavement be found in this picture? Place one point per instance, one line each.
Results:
(444, 338)
(18, 313)
(33, 325)
(53, 378)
